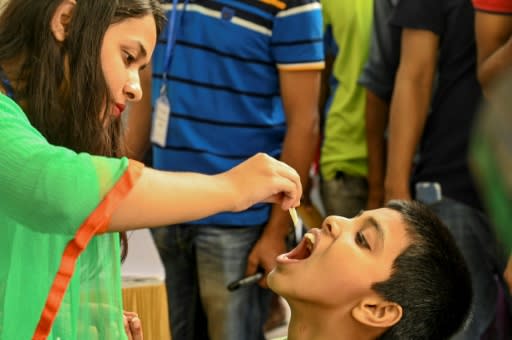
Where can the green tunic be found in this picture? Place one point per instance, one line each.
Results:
(54, 203)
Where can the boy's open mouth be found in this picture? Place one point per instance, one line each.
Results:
(302, 251)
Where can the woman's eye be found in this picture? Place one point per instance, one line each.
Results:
(361, 240)
(128, 58)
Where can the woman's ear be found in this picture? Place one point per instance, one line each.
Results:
(378, 313)
(61, 19)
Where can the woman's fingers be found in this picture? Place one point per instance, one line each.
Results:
(287, 195)
(127, 327)
(136, 328)
(132, 326)
(262, 178)
(291, 198)
(289, 188)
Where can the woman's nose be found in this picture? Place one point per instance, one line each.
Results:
(132, 88)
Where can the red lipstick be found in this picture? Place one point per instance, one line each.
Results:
(118, 109)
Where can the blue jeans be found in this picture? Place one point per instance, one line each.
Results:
(200, 261)
(486, 261)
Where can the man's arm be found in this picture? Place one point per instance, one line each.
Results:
(377, 114)
(409, 107)
(324, 96)
(138, 124)
(299, 92)
(494, 45)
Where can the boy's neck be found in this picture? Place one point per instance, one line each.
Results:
(317, 323)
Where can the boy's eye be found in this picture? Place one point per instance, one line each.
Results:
(361, 240)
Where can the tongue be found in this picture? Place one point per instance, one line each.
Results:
(300, 252)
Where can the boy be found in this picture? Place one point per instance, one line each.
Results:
(390, 273)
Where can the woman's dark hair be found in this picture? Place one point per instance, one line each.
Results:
(61, 86)
(430, 279)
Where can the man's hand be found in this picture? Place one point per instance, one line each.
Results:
(264, 253)
(375, 198)
(396, 189)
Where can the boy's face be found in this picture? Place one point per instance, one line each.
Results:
(345, 257)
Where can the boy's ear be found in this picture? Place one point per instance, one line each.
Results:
(377, 312)
(61, 19)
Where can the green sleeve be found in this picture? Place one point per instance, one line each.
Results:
(47, 188)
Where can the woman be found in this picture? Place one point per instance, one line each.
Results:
(72, 67)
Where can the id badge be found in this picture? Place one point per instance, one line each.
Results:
(161, 120)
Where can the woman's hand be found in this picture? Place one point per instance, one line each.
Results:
(262, 178)
(132, 326)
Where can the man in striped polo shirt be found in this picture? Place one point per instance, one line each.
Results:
(244, 78)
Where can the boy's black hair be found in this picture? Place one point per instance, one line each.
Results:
(430, 279)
